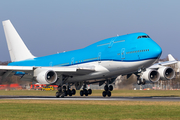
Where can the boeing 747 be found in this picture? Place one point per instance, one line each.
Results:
(100, 62)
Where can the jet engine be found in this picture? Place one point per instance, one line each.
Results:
(151, 75)
(166, 73)
(46, 77)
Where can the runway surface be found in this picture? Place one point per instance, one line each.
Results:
(93, 98)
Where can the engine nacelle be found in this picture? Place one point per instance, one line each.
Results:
(46, 77)
(166, 73)
(151, 75)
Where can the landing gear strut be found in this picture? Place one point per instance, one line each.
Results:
(85, 91)
(107, 91)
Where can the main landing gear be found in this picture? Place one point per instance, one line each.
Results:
(62, 91)
(85, 91)
(107, 91)
(141, 81)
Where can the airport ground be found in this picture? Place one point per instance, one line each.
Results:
(91, 109)
(122, 93)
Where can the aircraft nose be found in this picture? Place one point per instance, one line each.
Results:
(157, 51)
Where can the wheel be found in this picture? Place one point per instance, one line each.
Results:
(110, 88)
(106, 87)
(89, 91)
(65, 93)
(143, 81)
(109, 93)
(104, 93)
(64, 87)
(81, 93)
(73, 91)
(62, 96)
(57, 94)
(139, 82)
(69, 92)
(59, 88)
(86, 92)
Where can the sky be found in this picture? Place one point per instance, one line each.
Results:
(51, 26)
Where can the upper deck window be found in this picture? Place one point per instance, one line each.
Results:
(143, 36)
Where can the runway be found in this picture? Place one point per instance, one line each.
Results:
(100, 98)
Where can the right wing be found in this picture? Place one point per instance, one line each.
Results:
(161, 64)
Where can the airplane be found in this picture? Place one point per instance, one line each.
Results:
(100, 62)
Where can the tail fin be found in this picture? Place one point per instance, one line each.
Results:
(17, 49)
(170, 57)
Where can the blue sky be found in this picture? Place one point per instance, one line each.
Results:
(51, 26)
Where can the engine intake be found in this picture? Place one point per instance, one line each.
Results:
(151, 75)
(166, 73)
(46, 77)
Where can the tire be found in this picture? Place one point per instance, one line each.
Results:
(108, 93)
(65, 93)
(57, 94)
(106, 87)
(81, 93)
(69, 92)
(62, 96)
(110, 88)
(104, 93)
(143, 82)
(73, 91)
(59, 88)
(89, 91)
(86, 92)
(139, 82)
(64, 88)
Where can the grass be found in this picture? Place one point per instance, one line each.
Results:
(88, 110)
(123, 93)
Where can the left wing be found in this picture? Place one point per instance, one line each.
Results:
(30, 72)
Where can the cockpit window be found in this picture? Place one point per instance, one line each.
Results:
(143, 36)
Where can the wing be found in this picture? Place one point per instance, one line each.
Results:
(28, 72)
(157, 65)
(171, 61)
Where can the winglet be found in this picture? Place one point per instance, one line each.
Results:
(17, 49)
(170, 57)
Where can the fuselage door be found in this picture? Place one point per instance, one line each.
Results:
(99, 57)
(123, 53)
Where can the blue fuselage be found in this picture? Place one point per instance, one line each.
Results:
(126, 48)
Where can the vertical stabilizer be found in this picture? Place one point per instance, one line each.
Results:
(17, 49)
(170, 57)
